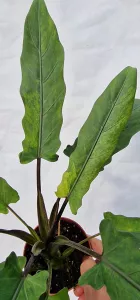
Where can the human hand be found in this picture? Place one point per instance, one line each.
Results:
(87, 292)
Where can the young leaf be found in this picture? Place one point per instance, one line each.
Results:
(26, 237)
(54, 213)
(43, 87)
(98, 137)
(132, 127)
(119, 268)
(13, 284)
(37, 248)
(62, 295)
(123, 223)
(21, 262)
(7, 195)
(42, 217)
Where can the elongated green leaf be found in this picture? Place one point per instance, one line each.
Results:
(98, 137)
(7, 195)
(43, 87)
(132, 127)
(13, 284)
(119, 268)
(21, 262)
(123, 223)
(42, 217)
(62, 295)
(26, 237)
(54, 213)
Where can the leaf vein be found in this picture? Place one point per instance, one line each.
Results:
(29, 30)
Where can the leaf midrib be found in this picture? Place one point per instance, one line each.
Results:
(18, 288)
(121, 273)
(41, 85)
(96, 141)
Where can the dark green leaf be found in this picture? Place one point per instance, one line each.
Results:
(119, 268)
(62, 295)
(98, 137)
(34, 286)
(7, 195)
(33, 233)
(21, 262)
(43, 87)
(42, 217)
(13, 284)
(54, 213)
(123, 223)
(70, 148)
(26, 237)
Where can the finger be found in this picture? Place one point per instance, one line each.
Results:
(96, 245)
(86, 265)
(82, 297)
(102, 294)
(78, 291)
(89, 292)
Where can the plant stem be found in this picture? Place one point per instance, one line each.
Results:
(89, 238)
(68, 251)
(25, 273)
(19, 218)
(82, 249)
(38, 175)
(49, 279)
(28, 266)
(62, 210)
(31, 230)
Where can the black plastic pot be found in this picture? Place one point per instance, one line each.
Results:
(68, 275)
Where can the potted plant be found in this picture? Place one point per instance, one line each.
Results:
(55, 248)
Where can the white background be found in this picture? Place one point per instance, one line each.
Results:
(100, 38)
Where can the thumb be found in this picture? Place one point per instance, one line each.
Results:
(87, 264)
